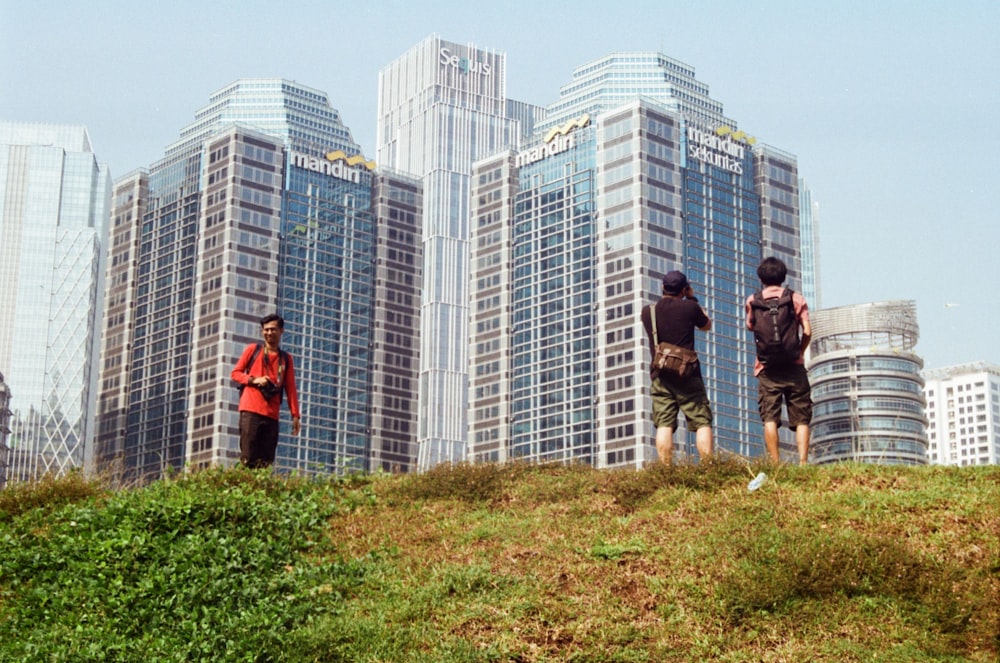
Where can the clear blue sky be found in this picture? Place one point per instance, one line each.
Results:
(891, 106)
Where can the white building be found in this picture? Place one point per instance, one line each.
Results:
(963, 407)
(54, 203)
(866, 385)
(441, 106)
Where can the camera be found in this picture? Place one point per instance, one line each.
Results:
(269, 390)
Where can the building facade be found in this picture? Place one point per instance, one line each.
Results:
(963, 409)
(246, 216)
(868, 402)
(442, 105)
(634, 172)
(809, 234)
(55, 200)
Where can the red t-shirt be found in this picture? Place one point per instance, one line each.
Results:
(279, 368)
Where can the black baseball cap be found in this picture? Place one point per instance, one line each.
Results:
(675, 282)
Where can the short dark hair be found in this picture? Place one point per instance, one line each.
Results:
(274, 317)
(772, 271)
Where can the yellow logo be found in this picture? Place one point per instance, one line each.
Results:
(736, 135)
(340, 155)
(577, 123)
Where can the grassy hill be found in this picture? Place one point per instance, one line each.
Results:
(516, 563)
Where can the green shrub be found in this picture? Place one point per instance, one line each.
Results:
(215, 566)
(49, 492)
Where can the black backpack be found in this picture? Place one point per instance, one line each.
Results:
(776, 329)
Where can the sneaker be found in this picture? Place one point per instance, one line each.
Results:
(757, 482)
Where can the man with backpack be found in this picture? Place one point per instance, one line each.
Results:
(670, 323)
(264, 373)
(779, 319)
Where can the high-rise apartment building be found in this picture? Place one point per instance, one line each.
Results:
(963, 409)
(264, 204)
(54, 204)
(442, 105)
(868, 403)
(633, 172)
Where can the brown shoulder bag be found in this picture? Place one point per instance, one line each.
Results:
(669, 358)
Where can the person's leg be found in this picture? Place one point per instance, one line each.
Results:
(258, 439)
(769, 400)
(246, 436)
(802, 442)
(665, 419)
(268, 442)
(799, 400)
(703, 440)
(771, 440)
(694, 404)
(665, 444)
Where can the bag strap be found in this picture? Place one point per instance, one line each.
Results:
(253, 358)
(652, 318)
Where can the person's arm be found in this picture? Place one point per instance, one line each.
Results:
(647, 324)
(293, 395)
(806, 332)
(240, 374)
(802, 313)
(689, 294)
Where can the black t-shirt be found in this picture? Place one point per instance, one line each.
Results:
(676, 320)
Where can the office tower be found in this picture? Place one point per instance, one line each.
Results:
(264, 204)
(868, 403)
(442, 105)
(633, 172)
(54, 203)
(963, 408)
(809, 237)
(395, 371)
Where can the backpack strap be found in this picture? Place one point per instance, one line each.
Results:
(253, 358)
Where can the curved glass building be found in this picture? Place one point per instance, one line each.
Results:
(868, 401)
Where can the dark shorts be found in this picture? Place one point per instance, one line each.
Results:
(258, 439)
(788, 385)
(687, 396)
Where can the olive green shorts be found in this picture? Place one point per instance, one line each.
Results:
(671, 396)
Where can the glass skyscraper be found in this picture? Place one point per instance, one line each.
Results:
(54, 206)
(442, 105)
(635, 171)
(264, 204)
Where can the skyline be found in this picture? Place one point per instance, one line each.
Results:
(888, 109)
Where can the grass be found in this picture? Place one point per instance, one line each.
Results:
(512, 563)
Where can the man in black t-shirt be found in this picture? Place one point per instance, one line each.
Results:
(677, 315)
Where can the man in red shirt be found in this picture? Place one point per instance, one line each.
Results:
(264, 373)
(783, 382)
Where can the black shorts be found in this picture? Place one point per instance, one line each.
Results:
(258, 439)
(788, 385)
